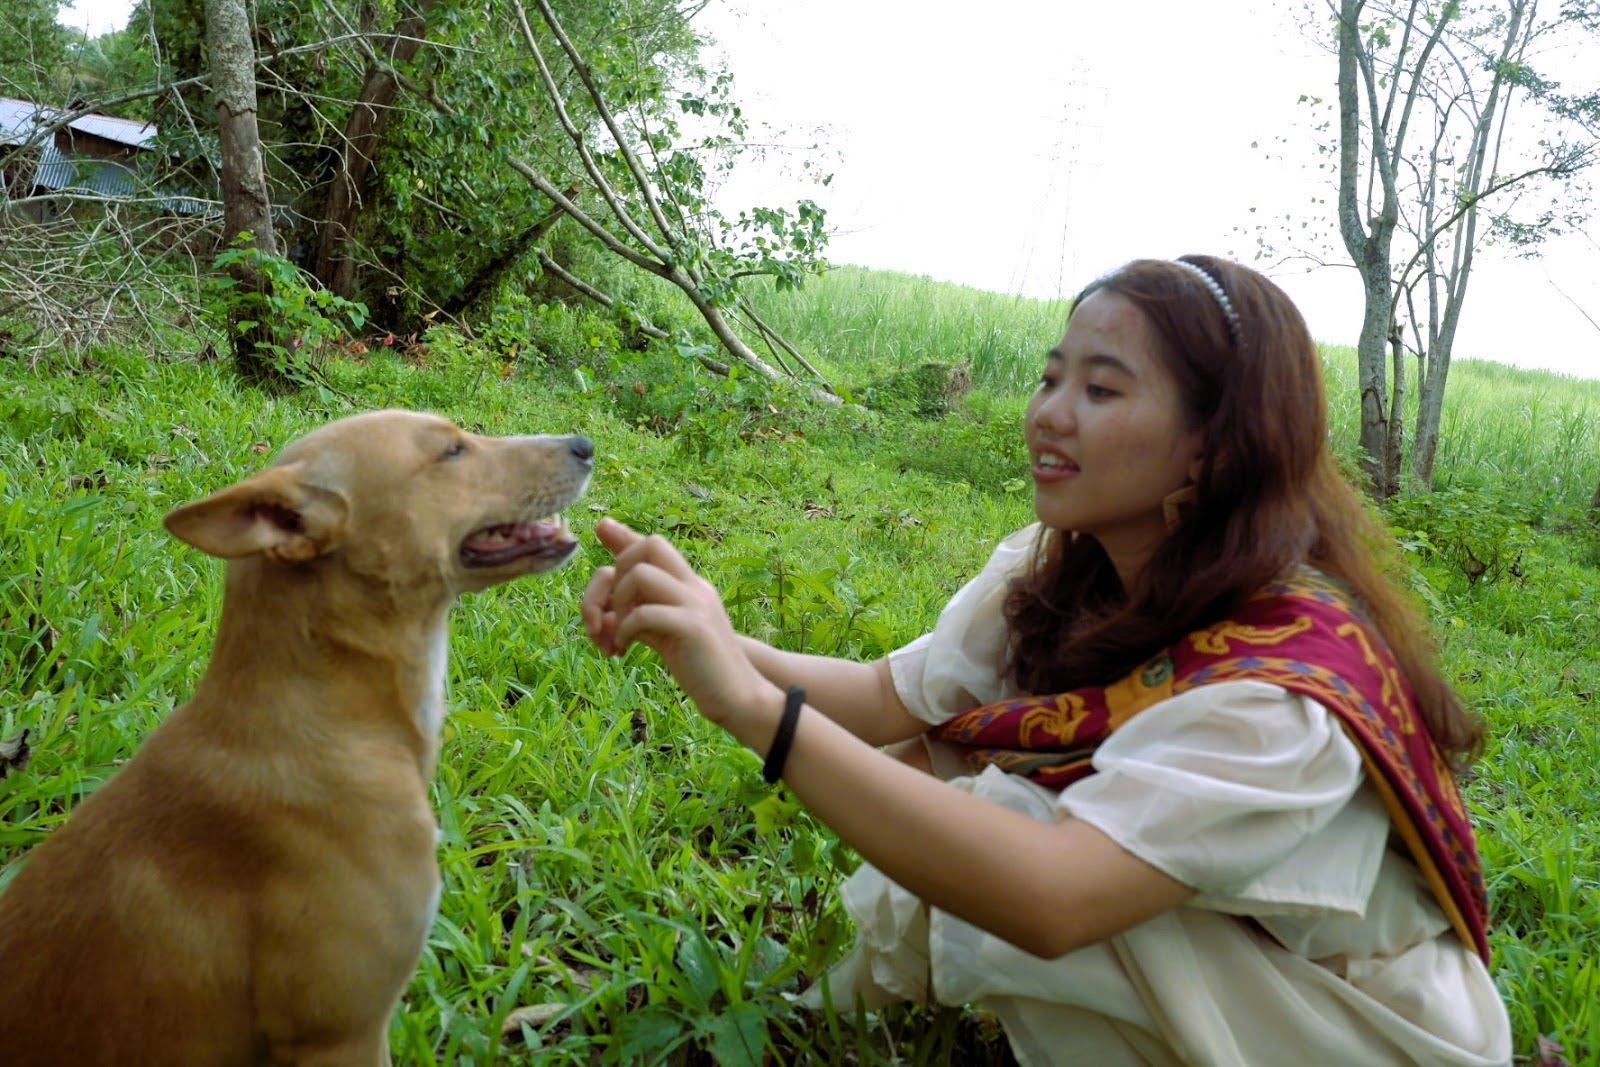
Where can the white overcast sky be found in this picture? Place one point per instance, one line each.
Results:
(1024, 147)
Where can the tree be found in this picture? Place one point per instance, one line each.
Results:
(104, 67)
(363, 136)
(246, 205)
(33, 51)
(1429, 167)
(659, 217)
(421, 203)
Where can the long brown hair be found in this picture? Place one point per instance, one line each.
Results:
(1269, 497)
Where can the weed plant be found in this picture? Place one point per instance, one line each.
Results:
(619, 888)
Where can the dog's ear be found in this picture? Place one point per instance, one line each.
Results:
(275, 512)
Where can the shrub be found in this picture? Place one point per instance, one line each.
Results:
(1481, 533)
(928, 390)
(297, 309)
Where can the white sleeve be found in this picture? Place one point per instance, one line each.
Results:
(958, 665)
(1243, 792)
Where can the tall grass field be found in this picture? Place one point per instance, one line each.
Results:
(620, 888)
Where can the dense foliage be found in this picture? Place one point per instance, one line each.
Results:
(33, 51)
(440, 220)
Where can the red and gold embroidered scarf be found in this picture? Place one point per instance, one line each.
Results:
(1306, 635)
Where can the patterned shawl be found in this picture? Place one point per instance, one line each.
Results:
(1306, 635)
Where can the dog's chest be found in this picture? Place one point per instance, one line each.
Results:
(430, 709)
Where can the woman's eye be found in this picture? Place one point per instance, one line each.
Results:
(1099, 392)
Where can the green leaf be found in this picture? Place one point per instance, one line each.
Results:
(700, 965)
(769, 955)
(650, 1029)
(738, 1036)
(773, 812)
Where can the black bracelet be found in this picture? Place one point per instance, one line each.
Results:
(772, 769)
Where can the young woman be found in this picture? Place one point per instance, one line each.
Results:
(1191, 795)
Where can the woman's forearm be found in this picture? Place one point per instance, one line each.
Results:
(858, 696)
(1047, 888)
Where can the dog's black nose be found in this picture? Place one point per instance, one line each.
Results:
(581, 448)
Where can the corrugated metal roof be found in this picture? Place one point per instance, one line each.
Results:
(123, 131)
(82, 174)
(20, 121)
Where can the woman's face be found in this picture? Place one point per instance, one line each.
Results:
(1107, 433)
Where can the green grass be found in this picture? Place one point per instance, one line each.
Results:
(853, 323)
(609, 858)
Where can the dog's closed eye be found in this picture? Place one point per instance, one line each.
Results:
(456, 450)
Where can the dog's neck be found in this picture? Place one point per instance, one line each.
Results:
(359, 657)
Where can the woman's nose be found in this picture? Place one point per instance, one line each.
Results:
(1055, 413)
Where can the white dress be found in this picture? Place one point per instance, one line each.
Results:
(1250, 795)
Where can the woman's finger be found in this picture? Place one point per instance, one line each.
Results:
(657, 551)
(664, 627)
(645, 583)
(597, 597)
(603, 635)
(615, 535)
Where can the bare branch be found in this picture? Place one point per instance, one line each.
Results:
(576, 135)
(582, 218)
(599, 297)
(1580, 309)
(773, 337)
(579, 67)
(113, 271)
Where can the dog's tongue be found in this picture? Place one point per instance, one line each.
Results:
(497, 538)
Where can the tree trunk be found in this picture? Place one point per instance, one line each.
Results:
(1377, 439)
(246, 208)
(1369, 251)
(363, 136)
(490, 276)
(1430, 409)
(1394, 441)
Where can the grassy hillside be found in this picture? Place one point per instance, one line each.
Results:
(611, 862)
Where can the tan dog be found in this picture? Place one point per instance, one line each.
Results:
(255, 886)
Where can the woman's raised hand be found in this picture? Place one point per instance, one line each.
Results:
(650, 594)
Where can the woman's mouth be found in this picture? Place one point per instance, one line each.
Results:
(1052, 467)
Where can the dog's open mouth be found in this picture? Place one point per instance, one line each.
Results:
(495, 546)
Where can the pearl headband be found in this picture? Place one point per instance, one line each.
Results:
(1214, 287)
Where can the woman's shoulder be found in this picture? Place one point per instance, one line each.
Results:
(1017, 549)
(1303, 589)
(1018, 545)
(1023, 539)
